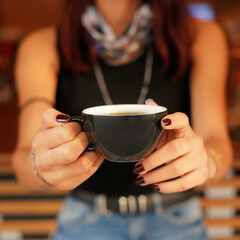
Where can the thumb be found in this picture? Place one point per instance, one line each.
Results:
(178, 122)
(150, 101)
(53, 118)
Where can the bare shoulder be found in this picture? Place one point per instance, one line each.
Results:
(208, 36)
(207, 27)
(210, 58)
(45, 36)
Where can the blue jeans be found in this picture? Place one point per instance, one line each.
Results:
(78, 220)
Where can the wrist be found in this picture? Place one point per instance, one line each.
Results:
(214, 162)
(35, 171)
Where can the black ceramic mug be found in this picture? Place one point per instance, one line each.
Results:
(123, 133)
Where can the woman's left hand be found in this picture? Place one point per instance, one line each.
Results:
(180, 161)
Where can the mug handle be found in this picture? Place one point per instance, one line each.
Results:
(81, 120)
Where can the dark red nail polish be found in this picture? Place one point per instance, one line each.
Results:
(156, 188)
(139, 181)
(138, 169)
(167, 121)
(62, 118)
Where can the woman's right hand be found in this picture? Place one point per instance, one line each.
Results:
(60, 155)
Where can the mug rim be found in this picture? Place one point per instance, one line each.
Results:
(104, 110)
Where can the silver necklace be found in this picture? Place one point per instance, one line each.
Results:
(145, 86)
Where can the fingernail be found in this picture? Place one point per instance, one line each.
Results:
(138, 169)
(167, 121)
(139, 181)
(156, 188)
(149, 100)
(62, 118)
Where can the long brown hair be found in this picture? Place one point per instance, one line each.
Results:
(171, 32)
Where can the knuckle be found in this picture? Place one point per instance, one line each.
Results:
(67, 134)
(83, 139)
(176, 146)
(182, 117)
(46, 114)
(92, 171)
(86, 164)
(94, 167)
(149, 162)
(69, 154)
(173, 147)
(151, 178)
(81, 142)
(73, 151)
(183, 185)
(176, 169)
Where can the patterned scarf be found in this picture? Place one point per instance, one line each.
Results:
(118, 49)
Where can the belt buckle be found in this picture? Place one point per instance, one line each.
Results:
(127, 205)
(101, 204)
(132, 204)
(142, 203)
(123, 205)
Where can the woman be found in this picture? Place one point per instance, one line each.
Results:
(119, 41)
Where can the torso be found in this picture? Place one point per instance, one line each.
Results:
(76, 92)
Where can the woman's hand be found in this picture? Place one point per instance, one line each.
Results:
(180, 161)
(59, 152)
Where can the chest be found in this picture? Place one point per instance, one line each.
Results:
(78, 91)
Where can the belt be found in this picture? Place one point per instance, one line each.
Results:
(131, 204)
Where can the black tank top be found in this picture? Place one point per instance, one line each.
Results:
(78, 91)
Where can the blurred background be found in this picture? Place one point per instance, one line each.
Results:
(32, 216)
